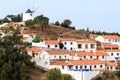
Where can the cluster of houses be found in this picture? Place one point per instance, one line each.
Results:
(76, 55)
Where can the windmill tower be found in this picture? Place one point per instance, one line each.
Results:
(28, 15)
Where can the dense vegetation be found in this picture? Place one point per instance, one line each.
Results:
(11, 18)
(13, 59)
(55, 74)
(66, 23)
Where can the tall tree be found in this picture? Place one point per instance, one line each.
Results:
(54, 74)
(29, 23)
(13, 59)
(42, 20)
(15, 18)
(66, 23)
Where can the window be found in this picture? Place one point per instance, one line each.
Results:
(100, 66)
(36, 54)
(94, 66)
(65, 43)
(111, 54)
(90, 57)
(65, 56)
(79, 45)
(71, 43)
(54, 56)
(30, 14)
(116, 40)
(33, 54)
(59, 57)
(84, 57)
(71, 48)
(117, 54)
(97, 57)
(86, 46)
(80, 67)
(76, 67)
(48, 46)
(62, 67)
(92, 45)
(102, 57)
(64, 47)
(85, 66)
(55, 45)
(111, 67)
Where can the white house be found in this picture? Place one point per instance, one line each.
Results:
(28, 37)
(113, 39)
(52, 44)
(111, 65)
(78, 44)
(78, 65)
(114, 55)
(109, 46)
(28, 15)
(47, 44)
(78, 55)
(69, 43)
(34, 52)
(86, 45)
(79, 69)
(55, 54)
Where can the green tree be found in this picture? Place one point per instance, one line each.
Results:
(15, 18)
(66, 23)
(54, 74)
(37, 39)
(5, 20)
(13, 59)
(57, 23)
(29, 23)
(67, 77)
(42, 20)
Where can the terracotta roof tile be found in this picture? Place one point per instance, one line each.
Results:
(25, 38)
(109, 45)
(33, 49)
(112, 50)
(57, 51)
(97, 53)
(77, 62)
(67, 39)
(51, 42)
(111, 36)
(85, 41)
(112, 63)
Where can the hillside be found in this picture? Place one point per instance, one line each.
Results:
(107, 75)
(53, 32)
(36, 73)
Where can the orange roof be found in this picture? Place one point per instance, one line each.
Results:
(57, 51)
(33, 49)
(67, 39)
(77, 62)
(51, 42)
(109, 45)
(97, 53)
(86, 41)
(112, 50)
(111, 64)
(25, 38)
(99, 48)
(111, 36)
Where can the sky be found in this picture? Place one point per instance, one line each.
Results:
(98, 15)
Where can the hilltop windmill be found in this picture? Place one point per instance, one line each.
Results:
(29, 14)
